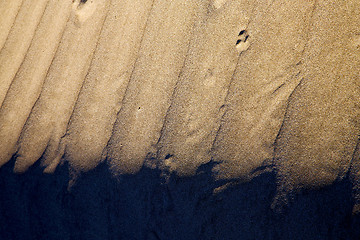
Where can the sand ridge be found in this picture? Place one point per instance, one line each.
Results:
(255, 86)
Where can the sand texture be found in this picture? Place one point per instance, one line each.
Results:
(248, 88)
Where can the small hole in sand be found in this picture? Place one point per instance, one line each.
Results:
(241, 42)
(242, 32)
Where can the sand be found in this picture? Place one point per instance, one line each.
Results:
(254, 86)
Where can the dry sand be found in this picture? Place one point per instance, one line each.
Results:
(253, 85)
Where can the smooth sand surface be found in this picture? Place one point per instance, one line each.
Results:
(156, 71)
(265, 77)
(318, 139)
(61, 88)
(100, 99)
(197, 106)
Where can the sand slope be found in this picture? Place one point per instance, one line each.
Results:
(255, 86)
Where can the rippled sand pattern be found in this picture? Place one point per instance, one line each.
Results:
(254, 86)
